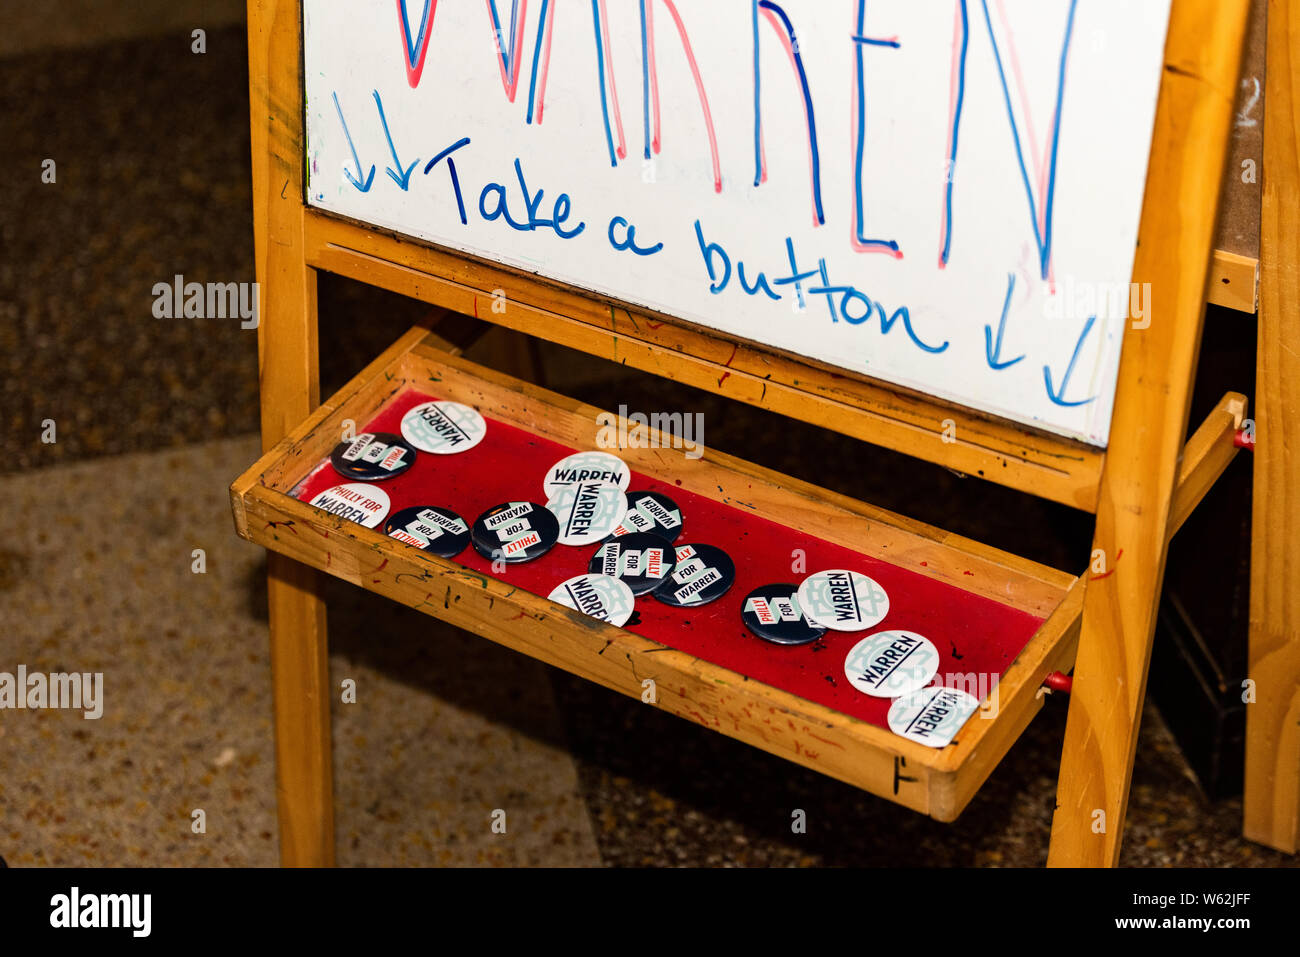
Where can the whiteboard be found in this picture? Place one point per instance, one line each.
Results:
(942, 194)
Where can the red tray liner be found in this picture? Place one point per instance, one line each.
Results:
(973, 634)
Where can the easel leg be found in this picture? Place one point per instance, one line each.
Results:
(1146, 436)
(1271, 812)
(1097, 757)
(289, 363)
(300, 686)
(299, 649)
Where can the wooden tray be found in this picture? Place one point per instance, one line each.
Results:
(988, 612)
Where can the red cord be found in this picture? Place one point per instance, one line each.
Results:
(1243, 441)
(1059, 682)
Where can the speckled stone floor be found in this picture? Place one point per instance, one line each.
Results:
(444, 729)
(153, 418)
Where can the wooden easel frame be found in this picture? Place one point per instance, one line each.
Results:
(1138, 488)
(1272, 783)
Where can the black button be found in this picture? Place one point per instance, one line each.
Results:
(772, 612)
(651, 512)
(703, 574)
(437, 530)
(515, 532)
(642, 561)
(373, 456)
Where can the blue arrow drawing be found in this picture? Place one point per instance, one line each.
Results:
(354, 180)
(404, 180)
(1056, 395)
(993, 349)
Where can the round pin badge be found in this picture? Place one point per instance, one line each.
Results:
(587, 511)
(598, 596)
(772, 612)
(373, 456)
(515, 532)
(932, 716)
(641, 561)
(843, 600)
(889, 664)
(443, 428)
(651, 512)
(437, 530)
(600, 467)
(702, 574)
(356, 501)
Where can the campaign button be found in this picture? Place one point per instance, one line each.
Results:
(443, 428)
(598, 596)
(356, 501)
(702, 573)
(515, 532)
(843, 600)
(651, 512)
(772, 612)
(891, 663)
(932, 716)
(642, 561)
(437, 530)
(599, 467)
(373, 456)
(587, 511)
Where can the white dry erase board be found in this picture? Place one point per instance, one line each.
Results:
(943, 194)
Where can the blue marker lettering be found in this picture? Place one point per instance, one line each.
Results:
(759, 283)
(629, 242)
(455, 180)
(560, 209)
(798, 277)
(708, 250)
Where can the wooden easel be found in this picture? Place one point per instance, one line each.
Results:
(1141, 488)
(1272, 784)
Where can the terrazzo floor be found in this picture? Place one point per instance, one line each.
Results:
(443, 731)
(154, 418)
